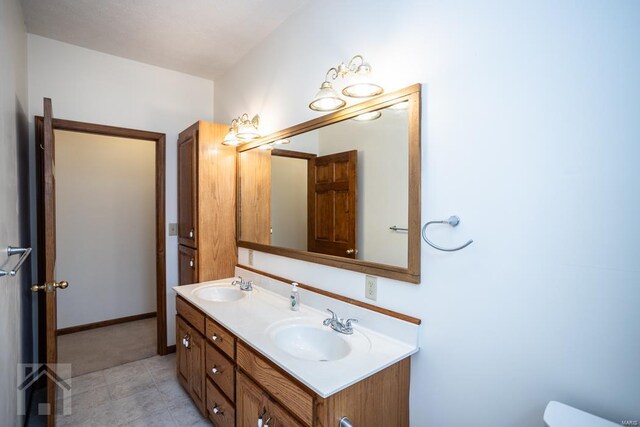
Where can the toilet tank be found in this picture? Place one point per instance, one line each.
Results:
(560, 415)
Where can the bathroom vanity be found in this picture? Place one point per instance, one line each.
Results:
(244, 356)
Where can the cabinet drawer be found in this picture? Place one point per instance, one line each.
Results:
(221, 338)
(190, 314)
(221, 411)
(293, 397)
(221, 371)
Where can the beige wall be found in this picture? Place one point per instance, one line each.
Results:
(94, 87)
(105, 219)
(289, 202)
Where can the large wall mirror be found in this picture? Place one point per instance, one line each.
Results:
(341, 190)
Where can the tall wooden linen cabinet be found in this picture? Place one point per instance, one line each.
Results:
(206, 204)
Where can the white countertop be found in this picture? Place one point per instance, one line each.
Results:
(251, 317)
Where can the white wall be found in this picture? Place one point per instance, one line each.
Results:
(530, 135)
(15, 300)
(105, 227)
(89, 86)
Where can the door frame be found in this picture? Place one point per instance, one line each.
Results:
(160, 184)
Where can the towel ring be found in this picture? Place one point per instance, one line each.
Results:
(453, 221)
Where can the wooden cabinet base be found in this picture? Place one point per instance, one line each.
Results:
(237, 395)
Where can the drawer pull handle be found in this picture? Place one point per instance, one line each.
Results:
(191, 263)
(191, 233)
(215, 370)
(217, 410)
(344, 422)
(216, 338)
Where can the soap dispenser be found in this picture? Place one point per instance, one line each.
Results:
(295, 297)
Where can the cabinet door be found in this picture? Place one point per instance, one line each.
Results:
(197, 374)
(280, 417)
(251, 402)
(188, 190)
(187, 265)
(183, 359)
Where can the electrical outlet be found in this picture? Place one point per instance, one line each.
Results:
(173, 229)
(250, 257)
(371, 287)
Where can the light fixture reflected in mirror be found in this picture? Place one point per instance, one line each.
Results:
(359, 85)
(271, 145)
(365, 117)
(404, 105)
(242, 130)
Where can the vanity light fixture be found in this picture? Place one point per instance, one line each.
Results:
(359, 85)
(242, 130)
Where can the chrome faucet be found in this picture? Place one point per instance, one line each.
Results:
(338, 324)
(244, 286)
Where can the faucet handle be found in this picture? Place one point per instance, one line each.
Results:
(334, 316)
(349, 321)
(240, 281)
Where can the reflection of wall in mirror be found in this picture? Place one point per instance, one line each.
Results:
(289, 202)
(383, 181)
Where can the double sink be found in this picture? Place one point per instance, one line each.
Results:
(304, 338)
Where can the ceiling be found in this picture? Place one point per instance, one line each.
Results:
(199, 37)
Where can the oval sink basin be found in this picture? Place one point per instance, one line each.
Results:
(310, 343)
(219, 293)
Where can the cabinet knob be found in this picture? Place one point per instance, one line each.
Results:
(216, 338)
(215, 371)
(191, 233)
(217, 410)
(185, 340)
(351, 251)
(191, 263)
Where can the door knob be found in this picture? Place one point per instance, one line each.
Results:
(50, 286)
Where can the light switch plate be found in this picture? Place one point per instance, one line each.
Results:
(371, 287)
(173, 229)
(250, 257)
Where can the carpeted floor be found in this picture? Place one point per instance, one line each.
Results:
(102, 348)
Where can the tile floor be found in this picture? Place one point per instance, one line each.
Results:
(141, 393)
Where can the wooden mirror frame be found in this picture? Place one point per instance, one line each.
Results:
(411, 274)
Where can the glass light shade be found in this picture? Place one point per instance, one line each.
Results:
(266, 147)
(371, 115)
(281, 141)
(247, 132)
(231, 138)
(327, 99)
(361, 86)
